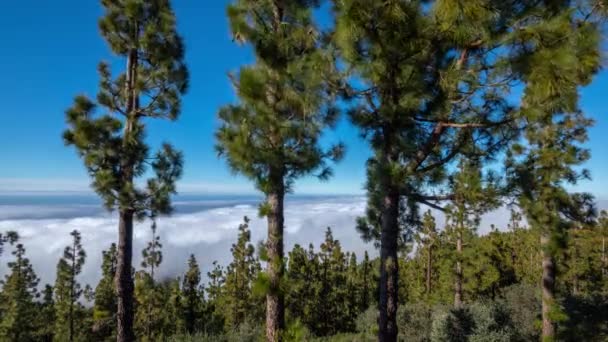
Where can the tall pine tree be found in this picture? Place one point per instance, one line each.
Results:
(111, 143)
(272, 135)
(559, 53)
(68, 290)
(429, 85)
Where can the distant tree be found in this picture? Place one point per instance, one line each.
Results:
(241, 273)
(17, 306)
(272, 134)
(68, 290)
(149, 313)
(46, 316)
(9, 237)
(192, 296)
(474, 194)
(303, 281)
(104, 307)
(112, 144)
(427, 238)
(367, 280)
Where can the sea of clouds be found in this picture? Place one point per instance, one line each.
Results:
(203, 226)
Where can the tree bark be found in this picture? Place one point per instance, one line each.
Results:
(548, 290)
(275, 306)
(123, 278)
(389, 267)
(458, 273)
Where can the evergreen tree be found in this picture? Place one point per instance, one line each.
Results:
(112, 144)
(556, 127)
(427, 238)
(428, 86)
(214, 314)
(272, 135)
(148, 316)
(68, 290)
(367, 282)
(9, 237)
(104, 307)
(353, 287)
(474, 195)
(191, 295)
(240, 276)
(46, 316)
(303, 281)
(17, 307)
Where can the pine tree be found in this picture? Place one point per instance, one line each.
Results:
(303, 281)
(191, 295)
(112, 144)
(46, 316)
(104, 308)
(240, 276)
(427, 238)
(9, 237)
(272, 135)
(367, 281)
(148, 316)
(556, 128)
(17, 307)
(474, 195)
(68, 290)
(353, 287)
(428, 85)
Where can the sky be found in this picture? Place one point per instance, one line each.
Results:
(50, 52)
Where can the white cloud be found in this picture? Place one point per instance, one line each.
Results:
(207, 233)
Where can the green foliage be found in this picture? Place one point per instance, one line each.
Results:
(192, 296)
(112, 144)
(104, 307)
(68, 291)
(17, 307)
(239, 301)
(272, 134)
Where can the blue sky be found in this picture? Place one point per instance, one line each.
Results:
(50, 52)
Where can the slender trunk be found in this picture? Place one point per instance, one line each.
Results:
(548, 290)
(429, 265)
(389, 267)
(123, 279)
(275, 306)
(458, 273)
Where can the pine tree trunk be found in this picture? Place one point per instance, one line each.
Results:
(389, 268)
(275, 306)
(548, 288)
(429, 265)
(458, 273)
(123, 278)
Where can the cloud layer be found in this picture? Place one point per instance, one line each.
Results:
(205, 228)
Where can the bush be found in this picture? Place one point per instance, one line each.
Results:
(477, 322)
(414, 322)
